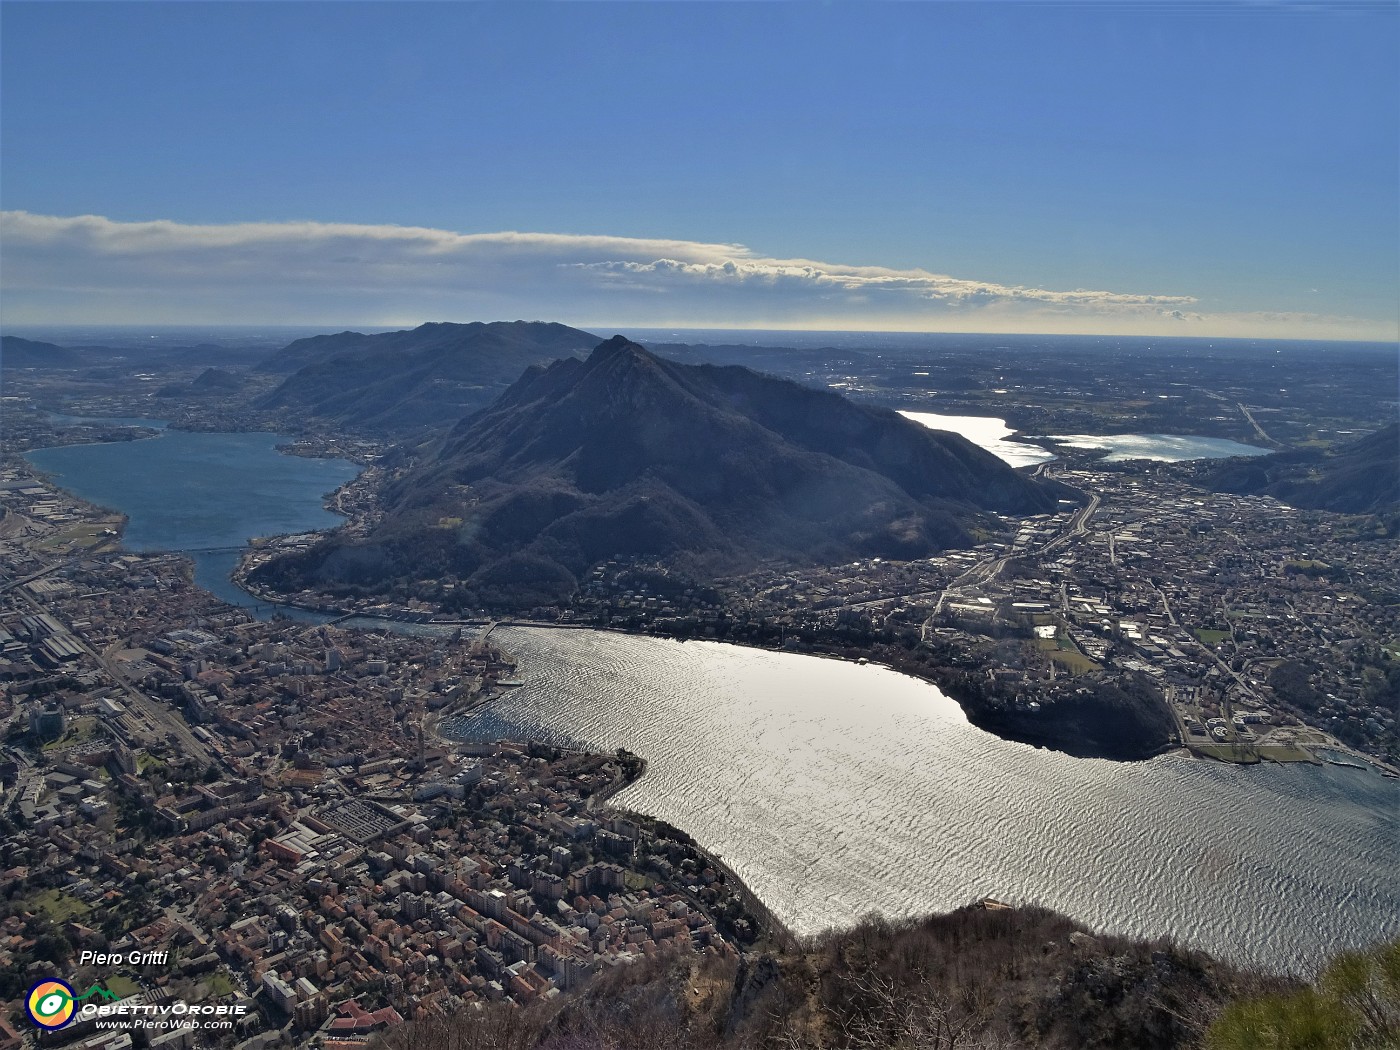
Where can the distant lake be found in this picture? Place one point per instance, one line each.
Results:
(986, 432)
(185, 491)
(1165, 448)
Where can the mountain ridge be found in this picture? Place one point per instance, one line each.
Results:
(714, 469)
(18, 352)
(1361, 477)
(414, 380)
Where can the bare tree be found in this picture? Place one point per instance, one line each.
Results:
(889, 1015)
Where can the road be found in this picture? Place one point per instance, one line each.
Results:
(986, 571)
(12, 584)
(1248, 415)
(979, 573)
(885, 599)
(1257, 428)
(1078, 525)
(1171, 617)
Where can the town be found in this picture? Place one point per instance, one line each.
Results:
(271, 803)
(1269, 630)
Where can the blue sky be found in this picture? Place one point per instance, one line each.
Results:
(1186, 168)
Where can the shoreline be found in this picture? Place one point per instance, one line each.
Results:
(1178, 746)
(603, 800)
(1078, 730)
(338, 614)
(772, 929)
(991, 718)
(528, 623)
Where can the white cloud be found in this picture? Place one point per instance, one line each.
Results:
(743, 267)
(90, 268)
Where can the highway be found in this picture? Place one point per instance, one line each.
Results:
(1248, 415)
(11, 585)
(1257, 428)
(986, 571)
(1078, 525)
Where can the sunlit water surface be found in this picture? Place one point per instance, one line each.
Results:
(988, 433)
(836, 790)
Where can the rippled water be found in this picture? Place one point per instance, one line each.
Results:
(986, 432)
(836, 790)
(1165, 448)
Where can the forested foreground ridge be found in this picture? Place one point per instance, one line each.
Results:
(985, 977)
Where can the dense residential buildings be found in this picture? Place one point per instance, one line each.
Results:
(270, 801)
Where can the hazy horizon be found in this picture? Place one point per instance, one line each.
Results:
(640, 333)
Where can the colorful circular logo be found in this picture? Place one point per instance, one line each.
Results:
(50, 1003)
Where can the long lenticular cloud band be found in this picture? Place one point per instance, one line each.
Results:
(312, 250)
(89, 267)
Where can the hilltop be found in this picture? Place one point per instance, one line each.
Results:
(625, 455)
(404, 383)
(31, 353)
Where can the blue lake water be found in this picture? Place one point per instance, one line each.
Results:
(185, 491)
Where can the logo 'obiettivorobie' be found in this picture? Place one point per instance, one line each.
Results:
(50, 1003)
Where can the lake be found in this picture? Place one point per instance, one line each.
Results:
(184, 491)
(1164, 448)
(985, 432)
(992, 434)
(836, 790)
